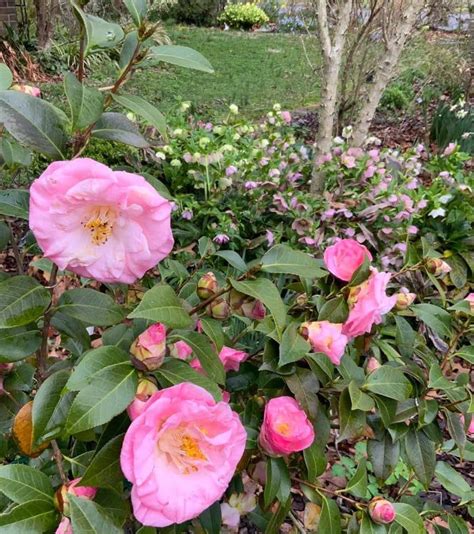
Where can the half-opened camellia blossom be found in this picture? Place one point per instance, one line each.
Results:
(345, 257)
(231, 359)
(367, 303)
(180, 454)
(285, 428)
(381, 511)
(326, 337)
(145, 390)
(180, 350)
(86, 492)
(149, 349)
(109, 225)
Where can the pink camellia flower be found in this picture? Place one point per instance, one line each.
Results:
(148, 350)
(109, 225)
(145, 390)
(381, 511)
(470, 299)
(180, 454)
(345, 257)
(326, 337)
(368, 302)
(180, 350)
(27, 89)
(232, 358)
(449, 149)
(285, 116)
(64, 526)
(285, 427)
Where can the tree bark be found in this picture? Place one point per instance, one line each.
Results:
(394, 43)
(46, 11)
(333, 49)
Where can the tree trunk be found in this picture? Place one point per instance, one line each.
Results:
(45, 16)
(332, 56)
(384, 72)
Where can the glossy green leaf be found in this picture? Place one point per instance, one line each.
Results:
(293, 346)
(456, 429)
(384, 455)
(204, 352)
(451, 480)
(90, 306)
(182, 56)
(330, 521)
(388, 382)
(14, 203)
(351, 422)
(116, 127)
(409, 518)
(435, 317)
(211, 519)
(50, 407)
(22, 483)
(106, 396)
(334, 310)
(89, 518)
(315, 460)
(22, 301)
(86, 103)
(33, 122)
(18, 343)
(161, 305)
(176, 371)
(98, 32)
(305, 386)
(5, 235)
(264, 290)
(6, 77)
(143, 109)
(283, 259)
(357, 485)
(457, 525)
(405, 337)
(420, 452)
(213, 330)
(367, 526)
(14, 154)
(277, 481)
(138, 9)
(32, 517)
(233, 259)
(130, 44)
(104, 469)
(277, 517)
(359, 399)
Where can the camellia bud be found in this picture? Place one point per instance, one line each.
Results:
(372, 364)
(247, 306)
(219, 309)
(145, 390)
(180, 350)
(148, 350)
(61, 497)
(404, 300)
(469, 298)
(381, 511)
(207, 286)
(437, 267)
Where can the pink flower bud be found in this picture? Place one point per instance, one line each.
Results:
(381, 511)
(148, 350)
(372, 364)
(6, 368)
(64, 526)
(470, 299)
(437, 267)
(27, 89)
(62, 501)
(145, 390)
(470, 430)
(404, 300)
(207, 286)
(180, 350)
(247, 306)
(219, 309)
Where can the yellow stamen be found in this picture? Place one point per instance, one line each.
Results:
(190, 447)
(100, 224)
(283, 428)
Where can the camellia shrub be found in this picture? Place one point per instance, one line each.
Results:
(243, 16)
(148, 387)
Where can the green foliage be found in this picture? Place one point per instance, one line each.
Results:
(199, 12)
(243, 15)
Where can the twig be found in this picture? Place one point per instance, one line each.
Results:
(330, 492)
(42, 354)
(297, 523)
(16, 250)
(58, 458)
(405, 486)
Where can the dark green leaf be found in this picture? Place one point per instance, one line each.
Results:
(88, 517)
(388, 382)
(293, 346)
(361, 274)
(305, 386)
(315, 460)
(456, 429)
(351, 422)
(405, 337)
(18, 343)
(138, 9)
(408, 518)
(181, 56)
(161, 305)
(104, 469)
(334, 310)
(14, 203)
(357, 485)
(383, 455)
(457, 525)
(277, 517)
(211, 519)
(86, 103)
(359, 399)
(420, 452)
(233, 259)
(22, 483)
(283, 259)
(213, 330)
(143, 109)
(330, 521)
(116, 127)
(435, 317)
(32, 517)
(367, 526)
(5, 234)
(277, 481)
(451, 480)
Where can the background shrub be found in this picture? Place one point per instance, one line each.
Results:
(243, 16)
(198, 12)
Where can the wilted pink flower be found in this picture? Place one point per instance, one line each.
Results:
(301, 226)
(145, 390)
(221, 239)
(286, 116)
(109, 225)
(345, 257)
(180, 350)
(180, 454)
(348, 161)
(285, 427)
(148, 350)
(437, 266)
(231, 170)
(381, 511)
(404, 299)
(27, 89)
(449, 149)
(327, 338)
(280, 202)
(64, 526)
(368, 303)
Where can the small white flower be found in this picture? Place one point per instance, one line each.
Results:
(236, 137)
(347, 132)
(445, 199)
(234, 109)
(178, 132)
(131, 116)
(264, 143)
(185, 106)
(204, 141)
(276, 107)
(461, 113)
(175, 163)
(338, 140)
(438, 212)
(218, 130)
(160, 155)
(466, 135)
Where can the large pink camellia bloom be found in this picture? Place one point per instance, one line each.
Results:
(285, 428)
(109, 225)
(180, 454)
(345, 257)
(326, 337)
(368, 303)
